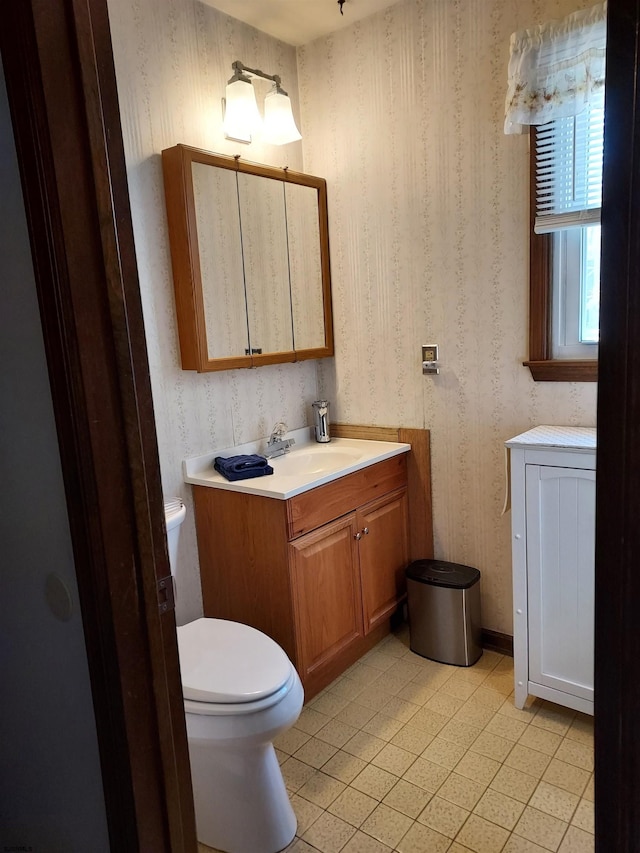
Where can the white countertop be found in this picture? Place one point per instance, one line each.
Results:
(565, 437)
(307, 465)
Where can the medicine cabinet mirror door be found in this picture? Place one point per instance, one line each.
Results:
(250, 255)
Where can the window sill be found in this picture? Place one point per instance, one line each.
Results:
(563, 370)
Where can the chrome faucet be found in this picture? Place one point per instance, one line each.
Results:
(277, 444)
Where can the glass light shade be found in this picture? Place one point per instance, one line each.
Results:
(241, 116)
(279, 126)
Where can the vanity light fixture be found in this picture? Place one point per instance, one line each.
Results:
(242, 121)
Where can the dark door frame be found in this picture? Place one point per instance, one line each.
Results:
(617, 659)
(61, 85)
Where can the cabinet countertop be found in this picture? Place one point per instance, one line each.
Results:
(347, 455)
(580, 439)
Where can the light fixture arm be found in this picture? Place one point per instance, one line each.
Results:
(242, 72)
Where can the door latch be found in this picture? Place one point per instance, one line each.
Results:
(166, 598)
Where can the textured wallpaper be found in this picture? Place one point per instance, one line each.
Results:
(428, 219)
(173, 59)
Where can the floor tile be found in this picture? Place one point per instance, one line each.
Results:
(402, 754)
(374, 698)
(425, 774)
(336, 733)
(577, 841)
(355, 715)
(361, 843)
(554, 718)
(461, 791)
(443, 816)
(311, 721)
(387, 825)
(407, 798)
(306, 813)
(344, 767)
(499, 808)
(420, 839)
(295, 773)
(460, 733)
(429, 721)
(443, 703)
(514, 783)
(412, 739)
(394, 759)
(382, 726)
(583, 817)
(527, 760)
(541, 828)
(488, 698)
(554, 801)
(321, 789)
(400, 709)
(578, 754)
(474, 714)
(374, 781)
(329, 704)
(481, 836)
(443, 752)
(364, 746)
(329, 833)
(477, 767)
(581, 729)
(315, 752)
(353, 806)
(540, 740)
(291, 740)
(492, 746)
(517, 844)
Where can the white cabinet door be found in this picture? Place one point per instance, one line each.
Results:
(560, 512)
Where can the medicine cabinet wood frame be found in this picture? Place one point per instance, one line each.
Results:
(185, 254)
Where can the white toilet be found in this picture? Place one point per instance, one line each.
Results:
(240, 691)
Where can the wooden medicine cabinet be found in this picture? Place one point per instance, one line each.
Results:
(250, 256)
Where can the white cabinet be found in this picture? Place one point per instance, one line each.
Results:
(553, 529)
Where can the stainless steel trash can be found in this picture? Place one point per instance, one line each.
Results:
(444, 611)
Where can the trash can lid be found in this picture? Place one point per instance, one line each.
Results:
(441, 573)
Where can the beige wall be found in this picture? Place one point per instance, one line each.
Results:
(173, 59)
(402, 113)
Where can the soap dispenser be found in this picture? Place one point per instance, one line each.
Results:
(321, 421)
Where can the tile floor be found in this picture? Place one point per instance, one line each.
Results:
(404, 754)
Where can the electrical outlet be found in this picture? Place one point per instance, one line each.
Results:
(430, 352)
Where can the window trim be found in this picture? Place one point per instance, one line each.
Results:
(543, 367)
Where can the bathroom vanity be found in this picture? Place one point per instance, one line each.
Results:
(320, 569)
(553, 550)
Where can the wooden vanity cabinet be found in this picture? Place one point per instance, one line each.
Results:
(321, 572)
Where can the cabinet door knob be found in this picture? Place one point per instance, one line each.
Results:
(365, 530)
(357, 535)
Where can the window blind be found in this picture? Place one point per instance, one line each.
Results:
(569, 170)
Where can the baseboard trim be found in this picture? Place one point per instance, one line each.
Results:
(497, 642)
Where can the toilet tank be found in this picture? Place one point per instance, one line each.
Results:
(174, 514)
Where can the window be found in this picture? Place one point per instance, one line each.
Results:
(566, 169)
(555, 85)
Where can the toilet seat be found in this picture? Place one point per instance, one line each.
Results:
(231, 668)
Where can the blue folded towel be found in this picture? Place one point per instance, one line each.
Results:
(242, 467)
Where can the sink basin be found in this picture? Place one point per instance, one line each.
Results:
(313, 460)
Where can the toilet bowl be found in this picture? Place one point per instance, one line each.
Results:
(240, 691)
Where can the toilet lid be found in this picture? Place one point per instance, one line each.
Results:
(224, 661)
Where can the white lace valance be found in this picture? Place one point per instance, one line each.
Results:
(554, 68)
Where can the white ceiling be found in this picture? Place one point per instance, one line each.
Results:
(299, 21)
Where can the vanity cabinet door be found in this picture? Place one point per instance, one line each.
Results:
(384, 555)
(326, 593)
